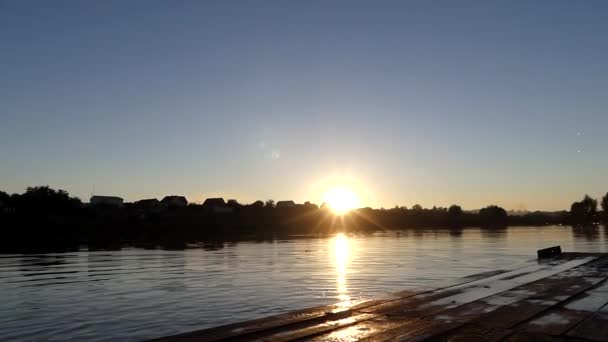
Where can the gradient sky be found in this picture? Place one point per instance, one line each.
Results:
(430, 102)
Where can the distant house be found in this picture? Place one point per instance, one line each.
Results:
(217, 205)
(310, 206)
(214, 202)
(147, 204)
(112, 201)
(286, 204)
(175, 201)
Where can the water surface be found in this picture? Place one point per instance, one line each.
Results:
(133, 294)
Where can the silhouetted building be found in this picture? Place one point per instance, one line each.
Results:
(175, 201)
(286, 204)
(214, 202)
(217, 205)
(310, 206)
(107, 201)
(147, 204)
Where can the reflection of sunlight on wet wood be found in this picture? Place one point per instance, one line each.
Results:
(341, 255)
(353, 333)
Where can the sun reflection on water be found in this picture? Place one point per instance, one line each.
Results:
(341, 258)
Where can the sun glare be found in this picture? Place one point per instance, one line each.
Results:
(341, 200)
(341, 259)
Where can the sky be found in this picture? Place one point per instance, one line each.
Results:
(404, 102)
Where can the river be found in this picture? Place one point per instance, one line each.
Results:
(133, 294)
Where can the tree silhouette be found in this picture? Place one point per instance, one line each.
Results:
(51, 217)
(493, 215)
(43, 199)
(233, 203)
(417, 207)
(4, 199)
(455, 210)
(257, 204)
(585, 211)
(455, 215)
(604, 205)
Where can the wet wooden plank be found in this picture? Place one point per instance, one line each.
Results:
(412, 327)
(372, 326)
(520, 305)
(479, 308)
(453, 282)
(559, 320)
(591, 300)
(600, 262)
(417, 330)
(502, 312)
(426, 294)
(491, 273)
(494, 285)
(306, 330)
(316, 315)
(595, 328)
(535, 337)
(556, 322)
(473, 333)
(243, 328)
(408, 315)
(458, 295)
(409, 304)
(420, 319)
(361, 330)
(508, 316)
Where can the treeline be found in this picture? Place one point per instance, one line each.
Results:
(585, 211)
(43, 217)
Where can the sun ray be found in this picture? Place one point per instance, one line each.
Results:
(365, 217)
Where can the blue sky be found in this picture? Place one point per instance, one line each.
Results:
(430, 102)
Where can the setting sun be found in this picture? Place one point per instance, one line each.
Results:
(341, 200)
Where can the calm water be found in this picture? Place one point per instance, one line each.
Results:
(134, 294)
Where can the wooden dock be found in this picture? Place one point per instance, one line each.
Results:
(559, 299)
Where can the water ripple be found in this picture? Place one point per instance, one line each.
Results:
(132, 294)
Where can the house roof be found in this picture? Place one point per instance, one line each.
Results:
(147, 201)
(115, 198)
(286, 204)
(174, 198)
(214, 202)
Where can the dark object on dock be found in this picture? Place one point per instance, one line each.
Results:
(549, 252)
(562, 300)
